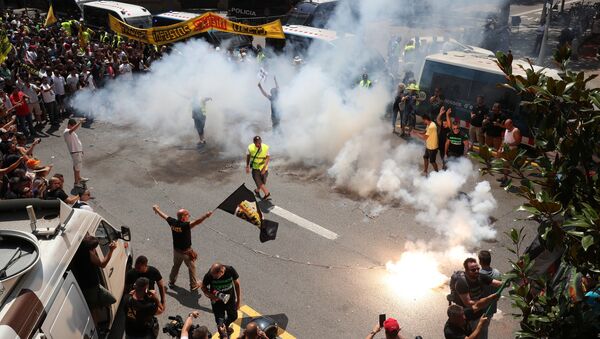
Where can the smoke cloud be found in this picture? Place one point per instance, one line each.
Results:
(327, 123)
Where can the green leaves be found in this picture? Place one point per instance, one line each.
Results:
(561, 191)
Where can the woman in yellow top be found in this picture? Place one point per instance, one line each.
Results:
(257, 158)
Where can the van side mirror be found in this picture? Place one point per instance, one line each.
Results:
(125, 233)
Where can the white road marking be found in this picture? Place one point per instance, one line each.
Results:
(306, 224)
(540, 9)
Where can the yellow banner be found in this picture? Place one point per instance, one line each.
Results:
(197, 25)
(5, 46)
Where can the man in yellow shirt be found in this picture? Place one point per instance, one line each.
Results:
(257, 158)
(431, 144)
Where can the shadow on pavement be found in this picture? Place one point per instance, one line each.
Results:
(187, 298)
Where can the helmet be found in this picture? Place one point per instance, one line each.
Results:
(412, 87)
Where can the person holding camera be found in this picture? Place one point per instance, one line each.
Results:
(391, 327)
(141, 305)
(199, 332)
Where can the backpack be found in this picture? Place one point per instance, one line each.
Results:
(453, 296)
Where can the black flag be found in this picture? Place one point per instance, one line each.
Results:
(242, 203)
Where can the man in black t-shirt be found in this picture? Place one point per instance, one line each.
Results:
(141, 269)
(457, 326)
(182, 243)
(221, 285)
(470, 290)
(479, 113)
(55, 191)
(457, 142)
(141, 305)
(494, 126)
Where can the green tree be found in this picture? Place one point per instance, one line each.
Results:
(559, 180)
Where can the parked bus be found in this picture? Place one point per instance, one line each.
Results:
(213, 37)
(463, 76)
(256, 12)
(95, 14)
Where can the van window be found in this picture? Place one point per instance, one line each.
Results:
(98, 17)
(105, 234)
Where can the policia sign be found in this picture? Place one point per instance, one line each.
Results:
(197, 25)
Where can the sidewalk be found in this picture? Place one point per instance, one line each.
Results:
(523, 39)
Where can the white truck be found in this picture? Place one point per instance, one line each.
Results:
(39, 293)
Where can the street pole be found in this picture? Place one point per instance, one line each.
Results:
(542, 55)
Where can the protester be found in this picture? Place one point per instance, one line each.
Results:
(430, 136)
(82, 203)
(258, 158)
(182, 244)
(478, 114)
(391, 327)
(273, 98)
(457, 326)
(493, 127)
(49, 98)
(141, 305)
(24, 117)
(199, 116)
(457, 143)
(398, 107)
(55, 191)
(470, 289)
(222, 286)
(511, 141)
(252, 332)
(75, 149)
(485, 260)
(142, 269)
(444, 124)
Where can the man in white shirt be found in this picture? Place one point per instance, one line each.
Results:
(49, 98)
(125, 70)
(72, 81)
(75, 149)
(58, 81)
(33, 100)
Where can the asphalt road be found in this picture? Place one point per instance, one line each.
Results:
(313, 286)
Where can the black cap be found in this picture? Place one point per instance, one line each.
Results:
(257, 138)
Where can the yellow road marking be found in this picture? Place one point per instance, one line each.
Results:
(246, 311)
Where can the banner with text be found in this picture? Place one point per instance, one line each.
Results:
(197, 25)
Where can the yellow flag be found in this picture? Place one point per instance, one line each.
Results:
(50, 18)
(5, 46)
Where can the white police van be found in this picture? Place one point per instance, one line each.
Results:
(95, 14)
(39, 293)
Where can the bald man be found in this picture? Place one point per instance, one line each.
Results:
(253, 332)
(182, 243)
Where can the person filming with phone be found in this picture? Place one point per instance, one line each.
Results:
(391, 328)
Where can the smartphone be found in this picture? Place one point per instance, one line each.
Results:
(381, 320)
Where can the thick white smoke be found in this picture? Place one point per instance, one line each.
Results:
(326, 123)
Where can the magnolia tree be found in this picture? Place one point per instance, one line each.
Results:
(559, 181)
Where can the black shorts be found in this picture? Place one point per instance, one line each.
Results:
(454, 154)
(259, 178)
(430, 154)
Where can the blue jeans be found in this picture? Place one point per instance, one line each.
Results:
(25, 124)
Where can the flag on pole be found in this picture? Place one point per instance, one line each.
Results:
(5, 46)
(242, 203)
(50, 18)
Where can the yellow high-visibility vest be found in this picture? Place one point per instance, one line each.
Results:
(258, 158)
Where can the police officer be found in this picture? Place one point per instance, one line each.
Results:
(365, 82)
(258, 158)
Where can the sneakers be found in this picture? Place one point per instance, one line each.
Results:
(171, 285)
(84, 179)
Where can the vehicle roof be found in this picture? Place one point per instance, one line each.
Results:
(183, 16)
(310, 32)
(125, 9)
(485, 63)
(55, 254)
